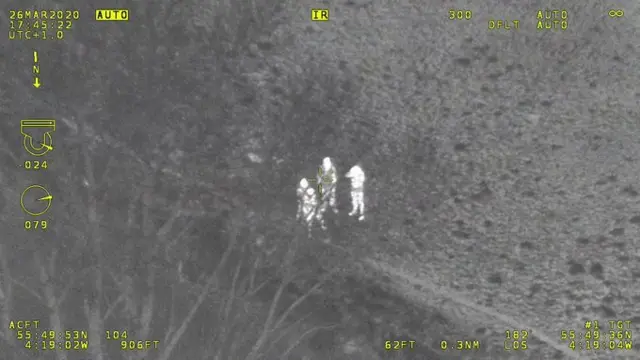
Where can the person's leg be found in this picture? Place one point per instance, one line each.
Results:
(309, 216)
(361, 205)
(354, 203)
(332, 199)
(320, 216)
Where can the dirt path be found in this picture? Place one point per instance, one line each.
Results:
(422, 290)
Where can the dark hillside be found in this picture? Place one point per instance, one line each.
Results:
(501, 191)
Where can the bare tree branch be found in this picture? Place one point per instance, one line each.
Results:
(292, 326)
(267, 327)
(6, 290)
(74, 278)
(93, 310)
(296, 303)
(304, 335)
(212, 280)
(55, 317)
(113, 305)
(28, 289)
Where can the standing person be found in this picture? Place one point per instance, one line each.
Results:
(307, 203)
(327, 179)
(356, 174)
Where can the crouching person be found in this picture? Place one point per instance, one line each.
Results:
(307, 203)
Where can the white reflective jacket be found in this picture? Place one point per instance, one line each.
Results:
(356, 175)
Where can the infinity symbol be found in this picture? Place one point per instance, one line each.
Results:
(616, 13)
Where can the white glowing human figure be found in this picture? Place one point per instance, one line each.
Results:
(327, 180)
(307, 203)
(356, 175)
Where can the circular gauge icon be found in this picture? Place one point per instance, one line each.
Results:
(38, 148)
(35, 200)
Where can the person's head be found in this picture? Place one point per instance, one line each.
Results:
(304, 183)
(355, 170)
(326, 163)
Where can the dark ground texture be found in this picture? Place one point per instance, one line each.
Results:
(502, 179)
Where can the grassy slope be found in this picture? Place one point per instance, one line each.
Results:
(549, 124)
